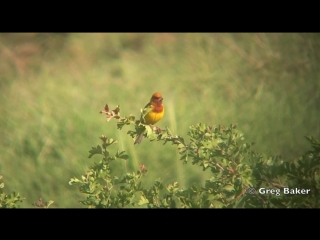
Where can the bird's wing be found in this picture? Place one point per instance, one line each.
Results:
(145, 111)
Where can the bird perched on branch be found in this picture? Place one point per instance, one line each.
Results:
(152, 113)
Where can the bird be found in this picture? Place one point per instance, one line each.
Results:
(152, 113)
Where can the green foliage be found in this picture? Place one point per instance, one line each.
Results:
(9, 201)
(235, 169)
(12, 200)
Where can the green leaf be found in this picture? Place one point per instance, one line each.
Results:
(49, 203)
(74, 180)
(205, 165)
(122, 155)
(229, 188)
(216, 204)
(95, 150)
(131, 118)
(172, 188)
(143, 200)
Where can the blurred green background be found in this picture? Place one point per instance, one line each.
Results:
(53, 86)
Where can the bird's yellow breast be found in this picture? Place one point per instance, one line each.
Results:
(153, 117)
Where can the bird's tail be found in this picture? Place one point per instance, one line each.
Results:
(139, 138)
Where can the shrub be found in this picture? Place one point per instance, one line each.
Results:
(240, 177)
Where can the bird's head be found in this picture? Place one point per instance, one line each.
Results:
(156, 97)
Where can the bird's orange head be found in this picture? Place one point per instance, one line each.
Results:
(156, 97)
(156, 102)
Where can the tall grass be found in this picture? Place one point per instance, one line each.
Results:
(53, 87)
